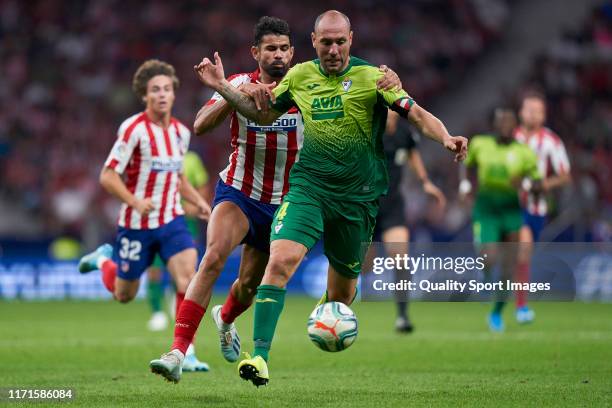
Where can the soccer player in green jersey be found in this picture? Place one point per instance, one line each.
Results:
(335, 185)
(501, 164)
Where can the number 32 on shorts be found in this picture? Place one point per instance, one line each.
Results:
(130, 250)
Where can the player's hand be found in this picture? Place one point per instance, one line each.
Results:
(144, 206)
(203, 210)
(389, 81)
(210, 74)
(431, 189)
(260, 93)
(457, 145)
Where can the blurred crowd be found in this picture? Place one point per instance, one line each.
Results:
(67, 68)
(575, 74)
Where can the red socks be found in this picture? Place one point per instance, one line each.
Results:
(232, 308)
(180, 296)
(188, 319)
(522, 276)
(109, 273)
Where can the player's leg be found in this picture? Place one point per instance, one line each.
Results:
(101, 259)
(348, 233)
(396, 241)
(530, 231)
(155, 296)
(297, 226)
(182, 268)
(285, 257)
(226, 228)
(487, 232)
(240, 297)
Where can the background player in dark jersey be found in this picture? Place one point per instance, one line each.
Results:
(391, 227)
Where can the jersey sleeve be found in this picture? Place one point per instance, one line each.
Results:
(235, 80)
(282, 92)
(559, 160)
(122, 150)
(396, 100)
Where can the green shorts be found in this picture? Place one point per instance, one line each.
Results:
(304, 217)
(491, 222)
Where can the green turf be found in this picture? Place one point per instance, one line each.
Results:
(102, 350)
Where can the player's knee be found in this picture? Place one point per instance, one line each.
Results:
(124, 297)
(212, 263)
(280, 266)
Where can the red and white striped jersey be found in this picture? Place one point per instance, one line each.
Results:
(262, 155)
(552, 159)
(152, 159)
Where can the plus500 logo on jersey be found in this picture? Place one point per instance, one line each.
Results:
(281, 124)
(166, 165)
(327, 108)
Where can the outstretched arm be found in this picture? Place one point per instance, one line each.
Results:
(212, 75)
(432, 127)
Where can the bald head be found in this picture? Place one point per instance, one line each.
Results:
(332, 17)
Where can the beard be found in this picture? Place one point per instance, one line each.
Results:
(276, 70)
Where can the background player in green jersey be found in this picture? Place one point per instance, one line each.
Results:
(501, 163)
(335, 185)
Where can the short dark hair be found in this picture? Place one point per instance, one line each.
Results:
(270, 25)
(498, 110)
(148, 70)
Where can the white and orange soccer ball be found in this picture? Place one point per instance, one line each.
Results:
(332, 326)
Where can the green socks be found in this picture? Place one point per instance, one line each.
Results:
(155, 292)
(269, 304)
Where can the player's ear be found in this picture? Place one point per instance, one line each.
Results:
(255, 53)
(313, 37)
(144, 99)
(350, 38)
(291, 51)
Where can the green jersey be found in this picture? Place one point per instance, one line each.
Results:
(194, 169)
(344, 119)
(499, 165)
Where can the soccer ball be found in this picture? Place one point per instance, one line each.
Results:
(332, 326)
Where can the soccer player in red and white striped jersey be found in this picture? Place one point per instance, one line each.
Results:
(248, 193)
(149, 153)
(554, 167)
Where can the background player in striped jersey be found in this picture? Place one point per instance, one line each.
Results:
(554, 168)
(247, 195)
(150, 148)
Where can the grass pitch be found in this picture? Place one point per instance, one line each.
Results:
(102, 350)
